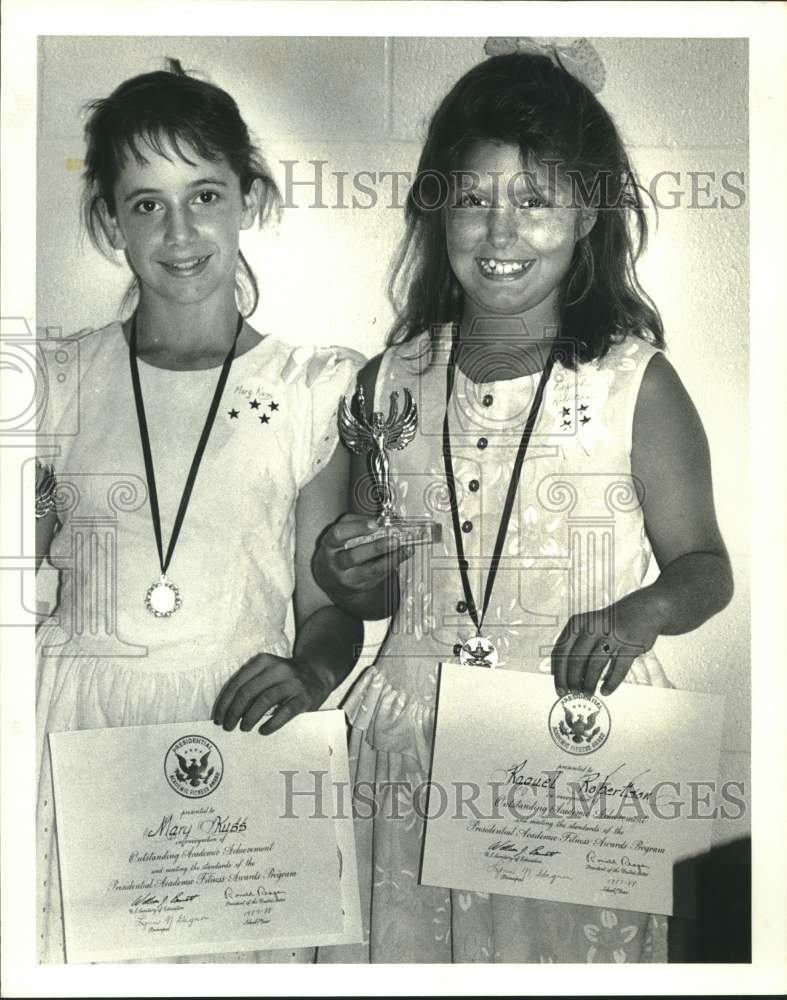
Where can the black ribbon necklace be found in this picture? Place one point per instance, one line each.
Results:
(482, 651)
(162, 598)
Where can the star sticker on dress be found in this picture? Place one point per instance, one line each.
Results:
(233, 414)
(583, 407)
(273, 406)
(265, 419)
(254, 404)
(566, 411)
(566, 423)
(585, 419)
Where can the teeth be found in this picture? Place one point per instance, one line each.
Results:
(188, 264)
(492, 266)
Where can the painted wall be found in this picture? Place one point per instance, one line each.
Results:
(361, 104)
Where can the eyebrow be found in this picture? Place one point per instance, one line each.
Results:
(201, 182)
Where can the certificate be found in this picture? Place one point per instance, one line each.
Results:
(184, 839)
(578, 799)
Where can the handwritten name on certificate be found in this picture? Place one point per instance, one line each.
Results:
(581, 799)
(186, 840)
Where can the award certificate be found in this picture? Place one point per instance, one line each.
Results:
(579, 799)
(185, 839)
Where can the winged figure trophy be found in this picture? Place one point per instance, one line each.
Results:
(376, 436)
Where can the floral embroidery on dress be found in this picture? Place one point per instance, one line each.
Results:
(442, 918)
(533, 538)
(415, 609)
(476, 947)
(388, 876)
(607, 939)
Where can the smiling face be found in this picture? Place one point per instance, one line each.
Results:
(178, 223)
(510, 234)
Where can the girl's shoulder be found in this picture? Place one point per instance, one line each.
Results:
(396, 364)
(632, 355)
(619, 372)
(83, 343)
(308, 366)
(412, 358)
(68, 365)
(95, 337)
(315, 379)
(417, 352)
(90, 353)
(606, 389)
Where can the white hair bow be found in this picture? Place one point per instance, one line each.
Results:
(576, 56)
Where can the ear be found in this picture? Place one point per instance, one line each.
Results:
(586, 220)
(252, 203)
(110, 225)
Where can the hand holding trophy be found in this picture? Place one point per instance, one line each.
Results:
(375, 437)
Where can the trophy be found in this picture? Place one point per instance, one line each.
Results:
(375, 437)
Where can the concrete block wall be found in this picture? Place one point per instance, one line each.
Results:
(362, 104)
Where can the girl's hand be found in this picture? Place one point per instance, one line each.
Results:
(294, 685)
(355, 570)
(615, 635)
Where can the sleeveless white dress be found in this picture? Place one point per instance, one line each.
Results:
(103, 659)
(576, 542)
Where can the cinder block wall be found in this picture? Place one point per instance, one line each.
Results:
(361, 104)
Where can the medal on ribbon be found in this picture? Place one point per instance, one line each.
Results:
(163, 597)
(480, 650)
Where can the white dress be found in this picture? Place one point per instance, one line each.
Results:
(103, 659)
(576, 542)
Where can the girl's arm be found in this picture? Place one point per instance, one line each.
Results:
(670, 463)
(363, 580)
(328, 640)
(48, 524)
(670, 456)
(46, 528)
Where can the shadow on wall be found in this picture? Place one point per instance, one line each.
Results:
(712, 906)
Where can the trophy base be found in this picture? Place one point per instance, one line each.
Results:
(413, 530)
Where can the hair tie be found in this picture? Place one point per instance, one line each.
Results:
(577, 56)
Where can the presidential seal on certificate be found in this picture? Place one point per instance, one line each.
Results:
(184, 839)
(577, 799)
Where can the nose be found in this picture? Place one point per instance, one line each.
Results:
(180, 226)
(501, 227)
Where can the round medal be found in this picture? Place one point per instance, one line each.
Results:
(163, 598)
(479, 651)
